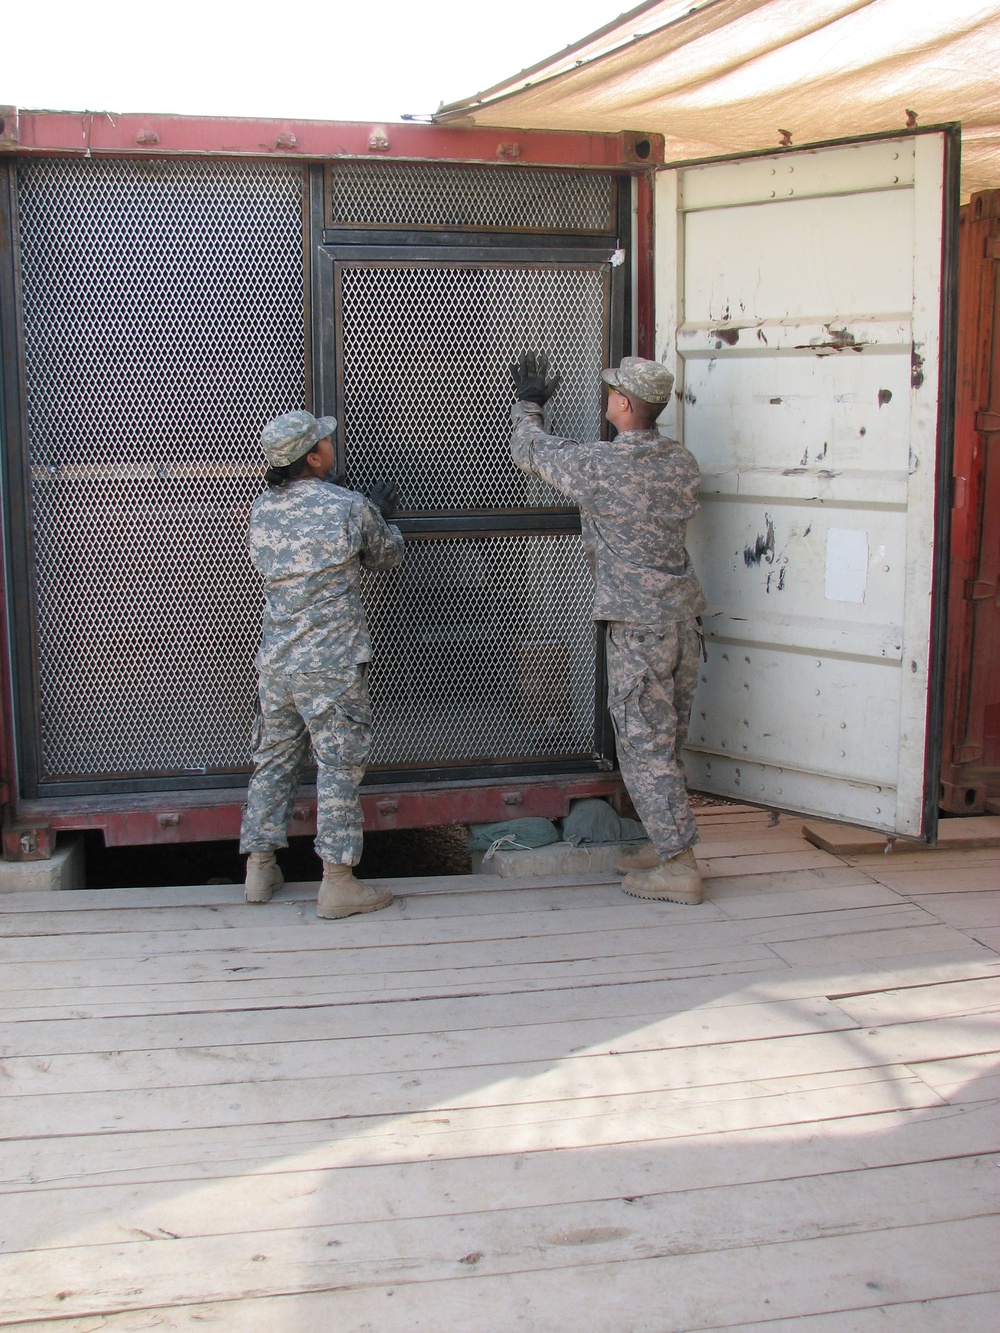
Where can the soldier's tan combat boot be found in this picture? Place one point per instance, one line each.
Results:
(263, 877)
(675, 881)
(645, 858)
(340, 894)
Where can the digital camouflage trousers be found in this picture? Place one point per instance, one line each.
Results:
(334, 715)
(652, 675)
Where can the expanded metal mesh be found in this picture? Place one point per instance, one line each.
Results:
(482, 649)
(427, 349)
(163, 323)
(464, 198)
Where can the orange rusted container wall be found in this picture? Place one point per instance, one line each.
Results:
(970, 772)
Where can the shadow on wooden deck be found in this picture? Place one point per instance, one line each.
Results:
(496, 1104)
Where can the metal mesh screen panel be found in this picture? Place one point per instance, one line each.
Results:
(163, 323)
(482, 649)
(426, 384)
(476, 198)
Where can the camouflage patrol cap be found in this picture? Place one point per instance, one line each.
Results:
(647, 380)
(290, 437)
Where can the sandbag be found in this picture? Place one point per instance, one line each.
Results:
(594, 821)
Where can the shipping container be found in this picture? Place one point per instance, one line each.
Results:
(170, 283)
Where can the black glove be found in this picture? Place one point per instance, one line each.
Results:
(529, 376)
(385, 498)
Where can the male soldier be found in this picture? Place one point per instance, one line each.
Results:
(636, 494)
(308, 540)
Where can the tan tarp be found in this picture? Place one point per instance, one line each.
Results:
(728, 76)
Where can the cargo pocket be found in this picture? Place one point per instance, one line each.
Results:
(627, 689)
(637, 728)
(625, 706)
(354, 706)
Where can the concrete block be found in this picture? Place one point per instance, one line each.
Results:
(559, 858)
(65, 869)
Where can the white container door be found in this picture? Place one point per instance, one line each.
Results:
(799, 297)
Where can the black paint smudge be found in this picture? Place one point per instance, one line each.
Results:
(763, 547)
(916, 368)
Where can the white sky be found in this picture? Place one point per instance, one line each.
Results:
(306, 60)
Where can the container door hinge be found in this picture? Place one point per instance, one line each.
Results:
(987, 421)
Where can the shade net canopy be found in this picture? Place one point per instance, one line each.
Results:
(722, 77)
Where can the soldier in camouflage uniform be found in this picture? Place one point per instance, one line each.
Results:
(636, 494)
(308, 540)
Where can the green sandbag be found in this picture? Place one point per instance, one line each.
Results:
(595, 821)
(514, 833)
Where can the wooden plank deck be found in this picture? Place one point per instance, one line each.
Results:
(512, 1105)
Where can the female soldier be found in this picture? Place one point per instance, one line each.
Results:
(308, 540)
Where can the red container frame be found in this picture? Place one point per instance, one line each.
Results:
(30, 827)
(970, 770)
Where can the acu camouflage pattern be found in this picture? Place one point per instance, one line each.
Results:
(291, 436)
(636, 494)
(334, 714)
(652, 675)
(309, 540)
(647, 380)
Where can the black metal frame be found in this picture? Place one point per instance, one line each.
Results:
(478, 248)
(15, 473)
(319, 244)
(484, 234)
(22, 616)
